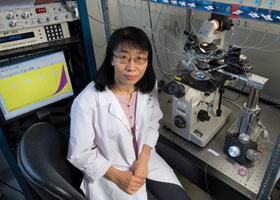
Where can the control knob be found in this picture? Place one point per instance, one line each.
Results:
(24, 15)
(41, 20)
(180, 121)
(251, 155)
(56, 17)
(234, 151)
(10, 16)
(203, 116)
(12, 23)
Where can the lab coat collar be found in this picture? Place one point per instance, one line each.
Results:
(105, 97)
(108, 97)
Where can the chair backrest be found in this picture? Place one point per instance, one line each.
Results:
(42, 159)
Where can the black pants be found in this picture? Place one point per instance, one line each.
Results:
(165, 191)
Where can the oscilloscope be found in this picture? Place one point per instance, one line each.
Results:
(33, 83)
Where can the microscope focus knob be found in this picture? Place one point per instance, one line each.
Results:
(244, 138)
(234, 151)
(203, 116)
(180, 121)
(251, 155)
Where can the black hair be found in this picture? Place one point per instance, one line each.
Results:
(136, 38)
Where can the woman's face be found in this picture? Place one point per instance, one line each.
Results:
(129, 64)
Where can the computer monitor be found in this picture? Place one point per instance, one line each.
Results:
(33, 83)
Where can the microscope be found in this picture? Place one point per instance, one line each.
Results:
(197, 112)
(241, 139)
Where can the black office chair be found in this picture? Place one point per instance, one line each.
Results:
(42, 159)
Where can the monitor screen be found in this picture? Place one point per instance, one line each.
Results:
(34, 83)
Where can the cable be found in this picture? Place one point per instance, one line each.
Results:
(240, 92)
(101, 22)
(192, 27)
(266, 134)
(269, 45)
(165, 44)
(98, 46)
(247, 38)
(153, 39)
(205, 176)
(249, 121)
(206, 182)
(246, 73)
(272, 43)
(247, 48)
(11, 187)
(232, 102)
(236, 23)
(158, 18)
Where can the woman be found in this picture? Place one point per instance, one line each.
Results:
(114, 126)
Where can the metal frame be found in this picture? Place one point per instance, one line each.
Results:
(13, 165)
(106, 19)
(87, 37)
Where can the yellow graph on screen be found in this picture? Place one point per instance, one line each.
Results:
(34, 86)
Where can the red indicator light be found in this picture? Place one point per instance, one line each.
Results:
(41, 10)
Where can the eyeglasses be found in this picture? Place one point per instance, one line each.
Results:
(139, 60)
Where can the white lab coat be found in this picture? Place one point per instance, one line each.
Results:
(101, 137)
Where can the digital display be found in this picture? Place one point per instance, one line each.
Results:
(20, 36)
(33, 83)
(41, 10)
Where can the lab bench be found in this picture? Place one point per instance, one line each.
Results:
(209, 167)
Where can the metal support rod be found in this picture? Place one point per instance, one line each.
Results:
(106, 18)
(87, 37)
(253, 98)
